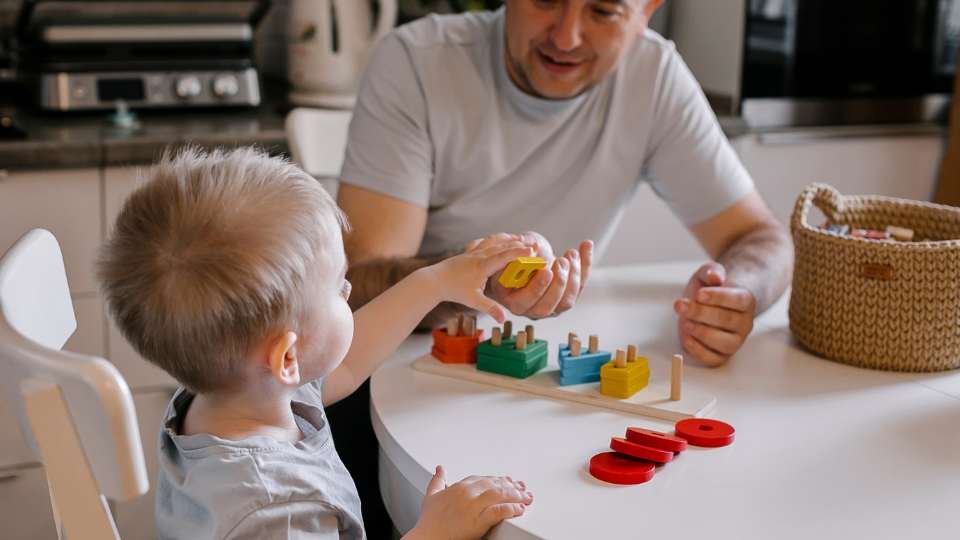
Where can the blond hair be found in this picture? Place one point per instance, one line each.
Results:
(210, 256)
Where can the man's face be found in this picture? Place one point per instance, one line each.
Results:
(557, 49)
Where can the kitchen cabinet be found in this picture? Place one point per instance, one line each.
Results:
(26, 510)
(135, 518)
(75, 205)
(65, 202)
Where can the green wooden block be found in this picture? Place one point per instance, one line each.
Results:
(507, 360)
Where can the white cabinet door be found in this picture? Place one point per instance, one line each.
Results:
(26, 511)
(65, 202)
(135, 519)
(90, 334)
(119, 182)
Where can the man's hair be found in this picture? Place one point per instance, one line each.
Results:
(211, 255)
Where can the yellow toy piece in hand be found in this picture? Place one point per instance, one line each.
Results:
(519, 272)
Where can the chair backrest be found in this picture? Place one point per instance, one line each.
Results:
(75, 411)
(318, 141)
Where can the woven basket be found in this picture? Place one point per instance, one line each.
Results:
(875, 303)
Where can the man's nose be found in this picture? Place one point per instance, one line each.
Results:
(566, 31)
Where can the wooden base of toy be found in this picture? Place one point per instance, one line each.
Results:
(654, 401)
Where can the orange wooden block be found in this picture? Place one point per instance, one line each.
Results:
(455, 349)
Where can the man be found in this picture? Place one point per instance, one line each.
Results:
(545, 116)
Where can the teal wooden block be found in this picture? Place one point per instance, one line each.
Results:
(581, 369)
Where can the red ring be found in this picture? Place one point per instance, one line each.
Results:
(640, 451)
(656, 439)
(705, 432)
(620, 469)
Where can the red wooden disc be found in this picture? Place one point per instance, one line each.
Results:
(640, 451)
(705, 432)
(620, 469)
(656, 439)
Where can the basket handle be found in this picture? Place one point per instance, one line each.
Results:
(823, 196)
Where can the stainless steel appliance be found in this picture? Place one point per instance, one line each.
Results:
(87, 55)
(823, 62)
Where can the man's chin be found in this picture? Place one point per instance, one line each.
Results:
(558, 92)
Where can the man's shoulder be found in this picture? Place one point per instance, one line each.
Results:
(439, 31)
(649, 54)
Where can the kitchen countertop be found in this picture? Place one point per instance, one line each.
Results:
(91, 140)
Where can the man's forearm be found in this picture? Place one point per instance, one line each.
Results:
(370, 278)
(761, 261)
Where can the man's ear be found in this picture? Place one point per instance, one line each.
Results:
(284, 363)
(648, 10)
(651, 8)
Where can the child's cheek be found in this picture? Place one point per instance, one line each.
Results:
(342, 328)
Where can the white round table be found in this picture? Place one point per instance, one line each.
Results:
(822, 450)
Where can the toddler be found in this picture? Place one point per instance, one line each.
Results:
(227, 270)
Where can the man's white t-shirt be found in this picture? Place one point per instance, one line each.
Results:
(439, 124)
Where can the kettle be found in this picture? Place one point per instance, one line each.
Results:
(329, 42)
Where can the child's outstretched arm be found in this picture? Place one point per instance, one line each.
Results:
(381, 325)
(469, 508)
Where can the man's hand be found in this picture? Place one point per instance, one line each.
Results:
(552, 290)
(715, 317)
(469, 508)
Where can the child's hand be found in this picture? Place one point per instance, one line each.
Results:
(469, 508)
(554, 289)
(463, 278)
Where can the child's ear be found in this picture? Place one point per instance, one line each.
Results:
(284, 363)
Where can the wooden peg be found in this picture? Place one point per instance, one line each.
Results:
(521, 340)
(469, 326)
(453, 326)
(495, 336)
(621, 361)
(594, 344)
(571, 337)
(460, 324)
(900, 233)
(631, 353)
(676, 377)
(575, 347)
(530, 338)
(473, 324)
(507, 329)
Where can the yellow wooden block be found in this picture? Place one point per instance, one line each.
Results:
(626, 381)
(518, 273)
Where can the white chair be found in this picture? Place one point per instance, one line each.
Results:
(75, 411)
(318, 141)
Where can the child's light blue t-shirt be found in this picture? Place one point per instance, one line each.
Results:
(257, 487)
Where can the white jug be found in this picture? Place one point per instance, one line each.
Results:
(329, 43)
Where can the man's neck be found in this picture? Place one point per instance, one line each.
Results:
(243, 414)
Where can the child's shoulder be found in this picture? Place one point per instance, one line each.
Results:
(211, 484)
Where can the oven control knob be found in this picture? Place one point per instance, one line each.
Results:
(188, 87)
(226, 86)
